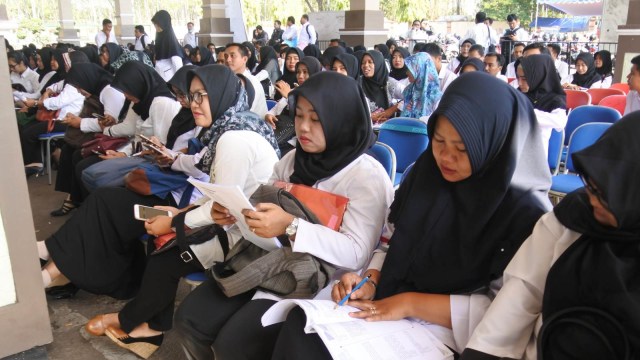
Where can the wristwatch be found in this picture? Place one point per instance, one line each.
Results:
(292, 228)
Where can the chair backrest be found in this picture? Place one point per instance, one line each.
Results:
(556, 143)
(386, 156)
(620, 86)
(618, 102)
(598, 94)
(585, 135)
(577, 98)
(271, 104)
(588, 114)
(407, 137)
(406, 172)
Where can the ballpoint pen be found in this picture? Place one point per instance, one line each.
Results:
(346, 297)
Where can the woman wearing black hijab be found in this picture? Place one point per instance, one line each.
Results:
(334, 132)
(201, 56)
(466, 206)
(313, 50)
(472, 64)
(572, 287)
(268, 66)
(241, 152)
(330, 54)
(604, 67)
(455, 65)
(288, 79)
(398, 68)
(382, 93)
(384, 50)
(252, 61)
(169, 55)
(538, 80)
(346, 64)
(585, 76)
(109, 53)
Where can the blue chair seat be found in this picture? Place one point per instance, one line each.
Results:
(398, 179)
(50, 135)
(195, 279)
(565, 183)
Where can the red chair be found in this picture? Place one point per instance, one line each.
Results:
(599, 94)
(620, 86)
(577, 98)
(618, 102)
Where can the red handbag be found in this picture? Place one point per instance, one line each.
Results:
(101, 144)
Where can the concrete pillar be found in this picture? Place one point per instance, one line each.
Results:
(364, 24)
(68, 34)
(628, 41)
(215, 26)
(124, 22)
(614, 14)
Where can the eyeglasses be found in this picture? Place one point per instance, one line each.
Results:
(593, 190)
(12, 66)
(197, 97)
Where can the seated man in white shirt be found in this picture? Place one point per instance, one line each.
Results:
(445, 76)
(561, 66)
(106, 35)
(493, 63)
(633, 79)
(236, 56)
(518, 50)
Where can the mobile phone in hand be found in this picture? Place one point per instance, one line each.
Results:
(98, 116)
(142, 212)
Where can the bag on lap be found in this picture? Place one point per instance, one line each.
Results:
(109, 172)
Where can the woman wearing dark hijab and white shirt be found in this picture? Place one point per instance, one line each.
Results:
(168, 53)
(383, 93)
(571, 291)
(585, 76)
(346, 64)
(334, 132)
(538, 80)
(466, 206)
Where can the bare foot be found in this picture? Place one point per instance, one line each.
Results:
(143, 330)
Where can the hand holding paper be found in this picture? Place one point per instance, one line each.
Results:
(268, 220)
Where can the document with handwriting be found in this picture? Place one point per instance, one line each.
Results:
(232, 197)
(347, 338)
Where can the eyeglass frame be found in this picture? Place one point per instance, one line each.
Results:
(593, 190)
(191, 97)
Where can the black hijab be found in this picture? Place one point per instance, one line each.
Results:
(330, 54)
(289, 76)
(312, 64)
(267, 54)
(456, 237)
(183, 121)
(375, 87)
(347, 129)
(475, 62)
(92, 53)
(359, 48)
(384, 50)
(144, 83)
(600, 269)
(114, 51)
(463, 58)
(607, 65)
(58, 56)
(350, 64)
(252, 61)
(205, 56)
(401, 73)
(166, 45)
(45, 56)
(545, 90)
(89, 77)
(313, 50)
(591, 76)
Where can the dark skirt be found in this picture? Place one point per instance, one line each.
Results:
(99, 248)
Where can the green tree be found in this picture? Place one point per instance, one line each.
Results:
(499, 9)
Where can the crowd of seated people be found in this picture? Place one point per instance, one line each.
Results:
(469, 243)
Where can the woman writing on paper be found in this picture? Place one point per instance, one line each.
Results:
(330, 156)
(468, 203)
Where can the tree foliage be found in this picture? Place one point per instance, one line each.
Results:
(499, 9)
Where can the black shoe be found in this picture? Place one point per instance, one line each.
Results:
(66, 208)
(62, 292)
(33, 170)
(43, 262)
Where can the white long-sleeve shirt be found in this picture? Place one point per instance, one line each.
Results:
(190, 39)
(28, 79)
(306, 36)
(633, 102)
(547, 121)
(483, 35)
(70, 100)
(113, 101)
(101, 38)
(290, 34)
(259, 104)
(147, 41)
(168, 67)
(512, 322)
(446, 77)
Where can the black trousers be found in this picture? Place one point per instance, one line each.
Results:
(30, 142)
(294, 344)
(208, 322)
(70, 168)
(155, 301)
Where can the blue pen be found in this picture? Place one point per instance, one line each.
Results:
(346, 297)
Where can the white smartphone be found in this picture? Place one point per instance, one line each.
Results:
(142, 212)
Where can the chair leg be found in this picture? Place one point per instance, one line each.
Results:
(49, 159)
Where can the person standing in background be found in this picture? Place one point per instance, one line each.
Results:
(106, 35)
(142, 39)
(190, 36)
(276, 35)
(307, 33)
(290, 35)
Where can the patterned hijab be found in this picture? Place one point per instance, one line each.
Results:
(229, 104)
(422, 95)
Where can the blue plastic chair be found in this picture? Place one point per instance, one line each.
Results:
(45, 143)
(584, 136)
(406, 172)
(588, 114)
(271, 104)
(556, 142)
(195, 279)
(386, 156)
(408, 139)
